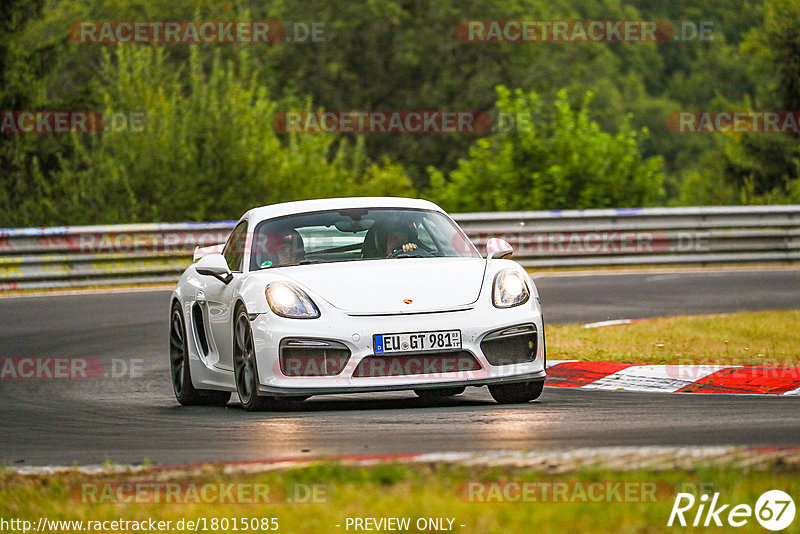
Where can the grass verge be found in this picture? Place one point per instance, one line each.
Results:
(416, 491)
(770, 338)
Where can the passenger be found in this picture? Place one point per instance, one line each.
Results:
(293, 249)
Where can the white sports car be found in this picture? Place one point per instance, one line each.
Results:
(353, 295)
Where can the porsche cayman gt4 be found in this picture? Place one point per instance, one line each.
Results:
(353, 295)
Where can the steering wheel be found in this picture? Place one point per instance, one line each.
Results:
(416, 253)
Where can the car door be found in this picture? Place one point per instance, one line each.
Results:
(219, 298)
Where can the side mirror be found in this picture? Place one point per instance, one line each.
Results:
(498, 248)
(216, 266)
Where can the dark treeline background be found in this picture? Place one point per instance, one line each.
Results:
(209, 149)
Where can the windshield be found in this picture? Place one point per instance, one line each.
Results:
(356, 234)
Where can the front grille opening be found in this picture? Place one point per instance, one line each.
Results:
(312, 357)
(200, 328)
(416, 364)
(511, 345)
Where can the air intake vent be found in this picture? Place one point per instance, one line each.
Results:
(312, 357)
(200, 328)
(508, 346)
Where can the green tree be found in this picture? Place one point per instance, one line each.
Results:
(20, 89)
(760, 168)
(563, 160)
(208, 149)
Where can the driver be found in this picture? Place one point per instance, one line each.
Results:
(399, 239)
(387, 237)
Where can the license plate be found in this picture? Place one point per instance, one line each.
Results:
(417, 341)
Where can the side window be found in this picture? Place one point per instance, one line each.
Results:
(234, 248)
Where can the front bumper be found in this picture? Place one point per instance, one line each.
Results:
(355, 332)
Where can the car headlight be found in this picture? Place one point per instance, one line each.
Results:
(510, 289)
(289, 301)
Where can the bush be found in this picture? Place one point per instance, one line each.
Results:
(563, 160)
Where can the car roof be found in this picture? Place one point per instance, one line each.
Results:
(256, 215)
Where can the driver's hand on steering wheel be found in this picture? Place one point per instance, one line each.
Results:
(408, 247)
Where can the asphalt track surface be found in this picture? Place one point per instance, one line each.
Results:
(130, 419)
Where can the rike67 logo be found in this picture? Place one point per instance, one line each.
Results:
(774, 510)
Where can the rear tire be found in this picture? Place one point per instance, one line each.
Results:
(439, 393)
(185, 392)
(517, 392)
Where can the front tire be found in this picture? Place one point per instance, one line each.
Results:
(245, 369)
(517, 392)
(185, 392)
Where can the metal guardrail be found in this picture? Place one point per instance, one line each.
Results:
(143, 253)
(77, 256)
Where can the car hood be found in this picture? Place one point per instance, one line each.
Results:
(381, 287)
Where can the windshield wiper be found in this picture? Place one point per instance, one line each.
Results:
(303, 262)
